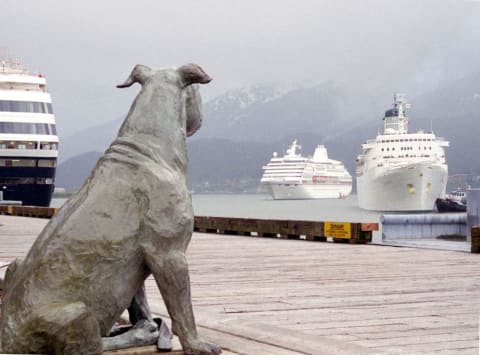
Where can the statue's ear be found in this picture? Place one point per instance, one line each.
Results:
(193, 74)
(139, 75)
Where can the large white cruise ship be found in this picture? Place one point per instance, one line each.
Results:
(28, 136)
(401, 171)
(295, 177)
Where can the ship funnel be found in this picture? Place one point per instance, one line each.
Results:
(320, 154)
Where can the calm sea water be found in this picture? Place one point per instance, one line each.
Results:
(263, 206)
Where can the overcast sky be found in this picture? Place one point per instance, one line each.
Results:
(85, 48)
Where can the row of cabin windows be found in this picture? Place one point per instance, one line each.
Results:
(407, 140)
(28, 128)
(27, 181)
(405, 148)
(28, 163)
(28, 145)
(405, 156)
(25, 106)
(409, 156)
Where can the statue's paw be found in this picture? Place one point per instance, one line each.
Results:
(164, 342)
(142, 333)
(200, 347)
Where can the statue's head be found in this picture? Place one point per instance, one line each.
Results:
(186, 79)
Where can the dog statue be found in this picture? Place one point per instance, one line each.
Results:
(132, 217)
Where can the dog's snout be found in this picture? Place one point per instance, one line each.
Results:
(206, 79)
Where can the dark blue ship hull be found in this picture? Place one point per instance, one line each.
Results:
(32, 185)
(447, 205)
(30, 195)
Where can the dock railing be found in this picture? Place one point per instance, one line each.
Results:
(355, 233)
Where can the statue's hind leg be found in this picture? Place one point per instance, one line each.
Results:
(81, 331)
(139, 308)
(145, 330)
(61, 329)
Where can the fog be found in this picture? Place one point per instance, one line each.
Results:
(85, 48)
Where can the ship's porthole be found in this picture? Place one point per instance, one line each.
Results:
(411, 189)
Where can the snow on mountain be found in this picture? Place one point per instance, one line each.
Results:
(246, 97)
(267, 112)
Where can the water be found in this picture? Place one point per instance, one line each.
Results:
(263, 206)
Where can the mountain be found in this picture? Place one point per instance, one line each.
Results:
(243, 128)
(453, 112)
(221, 165)
(95, 138)
(72, 173)
(267, 113)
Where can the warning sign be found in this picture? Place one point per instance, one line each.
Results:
(337, 230)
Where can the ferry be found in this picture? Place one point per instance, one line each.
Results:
(401, 171)
(28, 136)
(296, 177)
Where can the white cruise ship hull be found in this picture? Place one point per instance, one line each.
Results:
(308, 191)
(410, 187)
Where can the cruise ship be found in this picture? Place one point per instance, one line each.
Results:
(295, 177)
(401, 171)
(28, 136)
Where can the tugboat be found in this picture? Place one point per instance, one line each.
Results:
(455, 201)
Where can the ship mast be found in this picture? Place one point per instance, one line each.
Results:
(292, 151)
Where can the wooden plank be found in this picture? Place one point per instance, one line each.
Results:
(252, 290)
(152, 350)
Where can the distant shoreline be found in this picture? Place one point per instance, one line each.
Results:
(65, 194)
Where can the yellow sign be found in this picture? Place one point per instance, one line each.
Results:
(337, 230)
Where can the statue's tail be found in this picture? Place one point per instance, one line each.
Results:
(6, 281)
(7, 277)
(3, 270)
(6, 284)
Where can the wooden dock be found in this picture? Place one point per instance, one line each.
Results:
(27, 211)
(278, 296)
(355, 233)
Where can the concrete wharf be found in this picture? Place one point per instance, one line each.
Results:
(280, 296)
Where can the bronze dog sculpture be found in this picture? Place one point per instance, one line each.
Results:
(132, 217)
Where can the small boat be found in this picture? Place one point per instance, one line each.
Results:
(455, 201)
